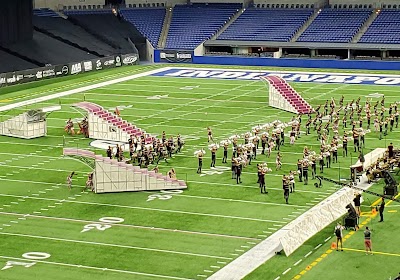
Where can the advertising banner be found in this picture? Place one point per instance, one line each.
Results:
(176, 56)
(130, 59)
(37, 74)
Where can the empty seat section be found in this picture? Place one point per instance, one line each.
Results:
(266, 25)
(12, 63)
(62, 28)
(335, 25)
(149, 22)
(193, 24)
(384, 29)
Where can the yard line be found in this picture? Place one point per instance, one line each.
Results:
(176, 211)
(130, 226)
(77, 90)
(99, 268)
(253, 187)
(234, 200)
(114, 245)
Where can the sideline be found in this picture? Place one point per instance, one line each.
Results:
(103, 269)
(81, 89)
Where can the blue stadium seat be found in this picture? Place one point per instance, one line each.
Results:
(335, 25)
(193, 24)
(385, 28)
(149, 21)
(266, 25)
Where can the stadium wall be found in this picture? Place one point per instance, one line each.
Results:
(301, 63)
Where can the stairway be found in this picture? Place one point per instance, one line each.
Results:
(288, 98)
(164, 32)
(111, 175)
(365, 26)
(108, 126)
(228, 23)
(305, 26)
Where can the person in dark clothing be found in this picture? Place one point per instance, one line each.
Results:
(390, 150)
(238, 173)
(285, 186)
(381, 209)
(109, 152)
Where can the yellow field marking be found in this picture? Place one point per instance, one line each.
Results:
(5, 100)
(392, 211)
(367, 220)
(375, 253)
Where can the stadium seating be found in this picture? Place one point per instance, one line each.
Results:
(335, 25)
(66, 31)
(46, 50)
(10, 63)
(266, 25)
(193, 24)
(385, 28)
(88, 12)
(45, 13)
(149, 22)
(111, 30)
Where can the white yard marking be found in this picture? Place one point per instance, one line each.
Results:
(299, 261)
(309, 253)
(115, 245)
(99, 268)
(286, 271)
(132, 226)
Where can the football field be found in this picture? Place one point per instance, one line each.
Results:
(50, 232)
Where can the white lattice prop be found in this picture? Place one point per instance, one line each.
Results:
(113, 176)
(307, 225)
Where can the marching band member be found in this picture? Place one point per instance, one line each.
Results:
(226, 145)
(278, 161)
(305, 172)
(209, 134)
(300, 169)
(396, 117)
(291, 181)
(200, 155)
(313, 167)
(321, 162)
(264, 140)
(109, 152)
(234, 164)
(376, 124)
(285, 186)
(172, 174)
(381, 124)
(356, 141)
(334, 152)
(238, 172)
(180, 143)
(327, 155)
(89, 182)
(163, 137)
(69, 128)
(292, 137)
(271, 145)
(69, 180)
(213, 148)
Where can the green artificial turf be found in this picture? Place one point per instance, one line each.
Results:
(194, 233)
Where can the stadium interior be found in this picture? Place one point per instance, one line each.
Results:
(79, 31)
(53, 38)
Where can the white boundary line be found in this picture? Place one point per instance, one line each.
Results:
(115, 245)
(98, 268)
(78, 90)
